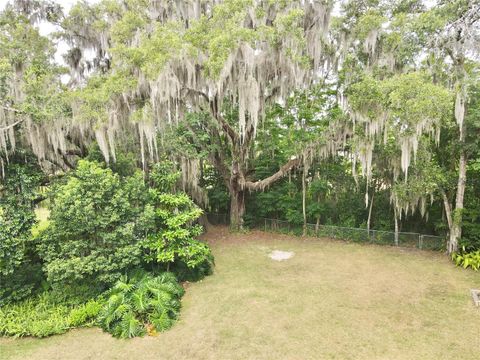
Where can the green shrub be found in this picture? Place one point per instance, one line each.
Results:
(85, 314)
(20, 267)
(186, 273)
(102, 225)
(467, 260)
(172, 214)
(92, 236)
(45, 315)
(141, 303)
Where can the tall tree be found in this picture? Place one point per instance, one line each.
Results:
(168, 60)
(214, 68)
(458, 39)
(34, 113)
(395, 38)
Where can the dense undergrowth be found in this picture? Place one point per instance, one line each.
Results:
(141, 303)
(111, 253)
(136, 305)
(45, 315)
(467, 259)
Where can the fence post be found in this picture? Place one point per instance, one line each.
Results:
(420, 241)
(265, 225)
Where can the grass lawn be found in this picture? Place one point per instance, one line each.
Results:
(331, 300)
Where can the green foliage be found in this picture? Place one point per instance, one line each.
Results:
(45, 315)
(85, 314)
(126, 158)
(174, 214)
(98, 92)
(471, 215)
(141, 303)
(19, 266)
(467, 260)
(102, 225)
(471, 223)
(187, 273)
(370, 21)
(26, 67)
(405, 98)
(92, 233)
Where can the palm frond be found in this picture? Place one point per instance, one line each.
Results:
(139, 302)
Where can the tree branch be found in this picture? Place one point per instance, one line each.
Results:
(67, 162)
(11, 125)
(294, 162)
(284, 170)
(218, 157)
(198, 92)
(9, 108)
(291, 164)
(231, 133)
(214, 111)
(447, 208)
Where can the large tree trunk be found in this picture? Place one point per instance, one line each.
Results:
(456, 219)
(237, 197)
(448, 214)
(396, 225)
(369, 219)
(237, 209)
(456, 225)
(304, 200)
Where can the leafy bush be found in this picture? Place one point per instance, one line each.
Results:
(85, 314)
(172, 214)
(466, 260)
(140, 304)
(20, 268)
(92, 235)
(102, 225)
(45, 315)
(186, 273)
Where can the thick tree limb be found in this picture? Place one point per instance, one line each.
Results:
(67, 162)
(294, 162)
(74, 152)
(284, 169)
(39, 199)
(214, 111)
(231, 133)
(218, 158)
(11, 125)
(248, 137)
(198, 92)
(447, 208)
(9, 108)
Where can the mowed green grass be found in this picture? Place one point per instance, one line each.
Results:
(332, 300)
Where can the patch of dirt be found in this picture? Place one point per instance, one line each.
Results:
(222, 235)
(279, 255)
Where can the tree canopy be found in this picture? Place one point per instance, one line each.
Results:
(393, 76)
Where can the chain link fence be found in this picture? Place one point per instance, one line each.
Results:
(379, 237)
